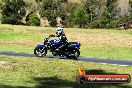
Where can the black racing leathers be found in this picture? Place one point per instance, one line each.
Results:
(64, 41)
(62, 38)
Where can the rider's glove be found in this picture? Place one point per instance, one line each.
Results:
(52, 35)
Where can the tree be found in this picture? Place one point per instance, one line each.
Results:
(91, 8)
(109, 16)
(65, 10)
(13, 11)
(27, 17)
(79, 17)
(63, 1)
(38, 1)
(130, 2)
(49, 10)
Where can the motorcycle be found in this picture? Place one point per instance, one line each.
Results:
(70, 51)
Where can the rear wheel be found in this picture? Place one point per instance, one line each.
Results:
(40, 52)
(74, 55)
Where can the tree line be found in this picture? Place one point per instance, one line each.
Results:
(86, 14)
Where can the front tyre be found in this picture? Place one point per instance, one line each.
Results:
(40, 52)
(74, 55)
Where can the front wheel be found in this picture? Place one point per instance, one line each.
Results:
(76, 54)
(40, 52)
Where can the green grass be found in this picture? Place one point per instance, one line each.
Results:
(15, 48)
(48, 73)
(26, 72)
(106, 51)
(101, 43)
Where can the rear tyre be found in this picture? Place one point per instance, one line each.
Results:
(40, 52)
(74, 55)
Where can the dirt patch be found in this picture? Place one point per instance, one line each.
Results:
(27, 43)
(5, 64)
(87, 39)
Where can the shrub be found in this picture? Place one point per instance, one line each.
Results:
(104, 22)
(112, 24)
(95, 24)
(33, 20)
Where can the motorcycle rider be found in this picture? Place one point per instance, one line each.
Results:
(62, 38)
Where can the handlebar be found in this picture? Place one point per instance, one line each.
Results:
(49, 37)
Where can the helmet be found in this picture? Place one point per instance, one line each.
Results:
(59, 30)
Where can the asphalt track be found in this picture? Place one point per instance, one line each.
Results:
(84, 59)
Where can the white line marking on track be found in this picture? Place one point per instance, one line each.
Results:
(104, 63)
(120, 65)
(115, 64)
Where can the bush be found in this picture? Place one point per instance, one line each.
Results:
(103, 22)
(95, 24)
(112, 24)
(33, 20)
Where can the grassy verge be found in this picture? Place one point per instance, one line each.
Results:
(111, 44)
(28, 72)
